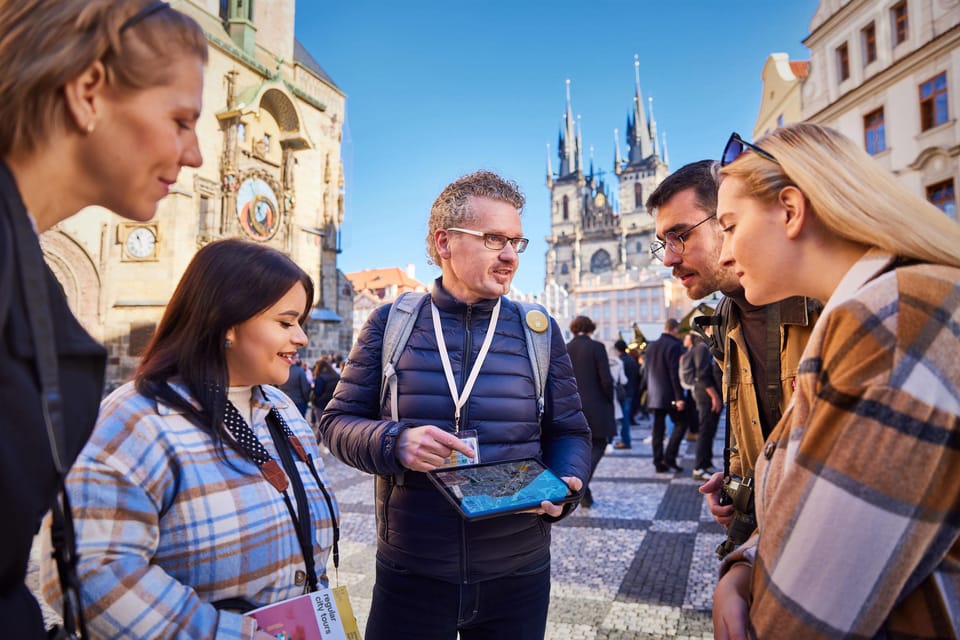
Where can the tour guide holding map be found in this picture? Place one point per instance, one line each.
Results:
(437, 573)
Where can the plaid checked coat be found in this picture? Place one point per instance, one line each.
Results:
(858, 496)
(165, 527)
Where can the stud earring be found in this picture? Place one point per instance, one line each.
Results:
(90, 127)
(227, 343)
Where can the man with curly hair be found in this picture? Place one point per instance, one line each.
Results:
(464, 367)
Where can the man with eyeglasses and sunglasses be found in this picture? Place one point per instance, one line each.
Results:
(464, 378)
(758, 348)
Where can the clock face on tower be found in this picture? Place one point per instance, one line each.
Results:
(257, 209)
(141, 242)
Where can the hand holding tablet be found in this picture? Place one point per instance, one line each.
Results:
(499, 488)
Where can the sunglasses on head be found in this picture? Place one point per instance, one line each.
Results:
(737, 146)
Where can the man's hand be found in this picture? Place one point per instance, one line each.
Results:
(554, 510)
(425, 448)
(679, 404)
(715, 404)
(731, 609)
(711, 489)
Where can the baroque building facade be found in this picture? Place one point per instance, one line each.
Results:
(270, 135)
(598, 260)
(886, 74)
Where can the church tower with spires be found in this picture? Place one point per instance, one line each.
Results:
(644, 168)
(598, 260)
(582, 217)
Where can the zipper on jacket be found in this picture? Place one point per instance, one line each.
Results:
(467, 364)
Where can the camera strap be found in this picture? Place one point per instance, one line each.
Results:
(34, 282)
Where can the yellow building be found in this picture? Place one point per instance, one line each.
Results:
(270, 136)
(780, 104)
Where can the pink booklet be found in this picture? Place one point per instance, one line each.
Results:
(322, 615)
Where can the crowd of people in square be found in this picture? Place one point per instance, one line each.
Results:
(197, 491)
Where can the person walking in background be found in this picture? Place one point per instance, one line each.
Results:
(857, 488)
(464, 367)
(640, 413)
(325, 380)
(665, 395)
(619, 385)
(182, 499)
(297, 386)
(100, 104)
(591, 368)
(707, 387)
(631, 371)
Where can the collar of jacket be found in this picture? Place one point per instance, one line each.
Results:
(447, 303)
(797, 310)
(261, 399)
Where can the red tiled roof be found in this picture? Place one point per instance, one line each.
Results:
(800, 68)
(373, 279)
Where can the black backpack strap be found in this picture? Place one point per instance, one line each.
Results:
(33, 277)
(772, 354)
(719, 321)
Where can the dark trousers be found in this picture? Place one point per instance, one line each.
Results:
(407, 606)
(599, 446)
(708, 429)
(625, 422)
(668, 458)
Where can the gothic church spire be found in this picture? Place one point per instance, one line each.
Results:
(638, 134)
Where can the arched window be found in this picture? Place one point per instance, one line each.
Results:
(600, 262)
(564, 269)
(566, 207)
(637, 195)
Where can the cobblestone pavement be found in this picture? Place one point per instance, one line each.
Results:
(639, 564)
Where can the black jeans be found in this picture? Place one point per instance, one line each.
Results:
(708, 429)
(668, 458)
(407, 606)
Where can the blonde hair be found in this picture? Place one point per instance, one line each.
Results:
(46, 43)
(451, 208)
(854, 197)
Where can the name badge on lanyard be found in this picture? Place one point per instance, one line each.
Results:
(460, 399)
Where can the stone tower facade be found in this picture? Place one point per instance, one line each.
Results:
(598, 257)
(270, 136)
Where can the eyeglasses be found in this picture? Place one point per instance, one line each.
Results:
(495, 241)
(737, 146)
(674, 241)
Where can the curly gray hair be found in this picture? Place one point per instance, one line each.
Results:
(451, 208)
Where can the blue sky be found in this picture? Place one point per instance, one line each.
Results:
(436, 89)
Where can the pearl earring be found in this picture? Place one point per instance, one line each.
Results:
(90, 127)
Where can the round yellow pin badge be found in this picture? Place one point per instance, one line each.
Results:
(537, 320)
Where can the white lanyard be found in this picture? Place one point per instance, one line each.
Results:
(461, 399)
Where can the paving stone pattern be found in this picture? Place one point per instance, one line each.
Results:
(639, 564)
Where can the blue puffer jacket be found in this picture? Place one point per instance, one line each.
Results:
(416, 528)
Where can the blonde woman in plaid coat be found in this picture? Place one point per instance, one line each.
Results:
(858, 487)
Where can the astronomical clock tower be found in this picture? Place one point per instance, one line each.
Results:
(270, 135)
